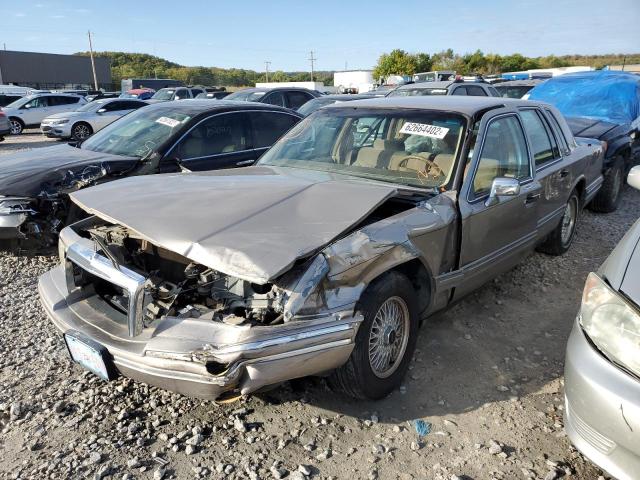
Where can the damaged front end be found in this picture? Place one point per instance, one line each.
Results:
(179, 325)
(33, 223)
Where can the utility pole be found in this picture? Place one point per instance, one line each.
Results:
(312, 59)
(93, 64)
(266, 70)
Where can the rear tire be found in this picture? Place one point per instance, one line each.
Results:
(560, 239)
(81, 131)
(17, 126)
(608, 197)
(385, 341)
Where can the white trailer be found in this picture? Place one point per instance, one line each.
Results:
(360, 80)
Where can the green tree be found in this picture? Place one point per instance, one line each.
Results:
(397, 62)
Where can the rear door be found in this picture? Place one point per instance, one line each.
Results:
(496, 236)
(554, 176)
(267, 127)
(63, 103)
(219, 141)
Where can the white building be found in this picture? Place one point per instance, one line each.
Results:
(361, 80)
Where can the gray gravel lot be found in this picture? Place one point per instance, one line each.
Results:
(487, 375)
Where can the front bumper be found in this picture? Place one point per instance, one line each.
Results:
(56, 131)
(203, 358)
(602, 409)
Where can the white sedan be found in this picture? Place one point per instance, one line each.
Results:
(89, 118)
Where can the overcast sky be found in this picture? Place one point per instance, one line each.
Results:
(341, 33)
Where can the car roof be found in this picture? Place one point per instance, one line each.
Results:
(438, 84)
(195, 106)
(270, 89)
(467, 105)
(519, 83)
(342, 97)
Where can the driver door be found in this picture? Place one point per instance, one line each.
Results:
(496, 234)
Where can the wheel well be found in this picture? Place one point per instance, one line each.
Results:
(421, 280)
(82, 122)
(17, 119)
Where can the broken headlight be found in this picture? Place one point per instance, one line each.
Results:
(612, 323)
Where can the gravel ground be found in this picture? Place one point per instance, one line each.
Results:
(487, 376)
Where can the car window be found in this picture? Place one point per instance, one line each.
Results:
(38, 102)
(269, 127)
(297, 99)
(195, 92)
(543, 145)
(476, 91)
(113, 106)
(460, 91)
(225, 133)
(63, 100)
(181, 94)
(494, 92)
(504, 154)
(275, 98)
(564, 145)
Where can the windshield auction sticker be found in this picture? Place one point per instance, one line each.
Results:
(424, 130)
(169, 122)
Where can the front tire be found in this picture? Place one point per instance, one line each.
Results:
(560, 239)
(608, 197)
(16, 126)
(385, 341)
(81, 131)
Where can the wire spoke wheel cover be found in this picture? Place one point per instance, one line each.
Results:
(569, 220)
(388, 337)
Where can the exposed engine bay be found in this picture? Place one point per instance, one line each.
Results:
(177, 287)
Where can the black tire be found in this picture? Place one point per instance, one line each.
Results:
(560, 239)
(17, 125)
(81, 131)
(608, 197)
(356, 377)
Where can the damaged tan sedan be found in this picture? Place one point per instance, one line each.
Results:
(321, 260)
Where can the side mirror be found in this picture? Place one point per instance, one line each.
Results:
(634, 177)
(502, 187)
(28, 105)
(102, 110)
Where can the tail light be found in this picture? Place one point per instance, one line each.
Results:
(2, 113)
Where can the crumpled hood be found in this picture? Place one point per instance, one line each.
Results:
(31, 172)
(251, 223)
(589, 127)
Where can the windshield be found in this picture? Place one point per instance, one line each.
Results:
(164, 94)
(139, 133)
(411, 92)
(246, 95)
(19, 102)
(416, 148)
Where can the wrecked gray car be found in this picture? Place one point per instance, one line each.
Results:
(364, 219)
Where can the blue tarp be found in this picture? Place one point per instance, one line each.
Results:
(604, 95)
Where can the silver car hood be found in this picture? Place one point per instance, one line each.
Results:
(252, 223)
(622, 267)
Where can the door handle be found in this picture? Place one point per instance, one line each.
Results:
(532, 197)
(244, 162)
(564, 172)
